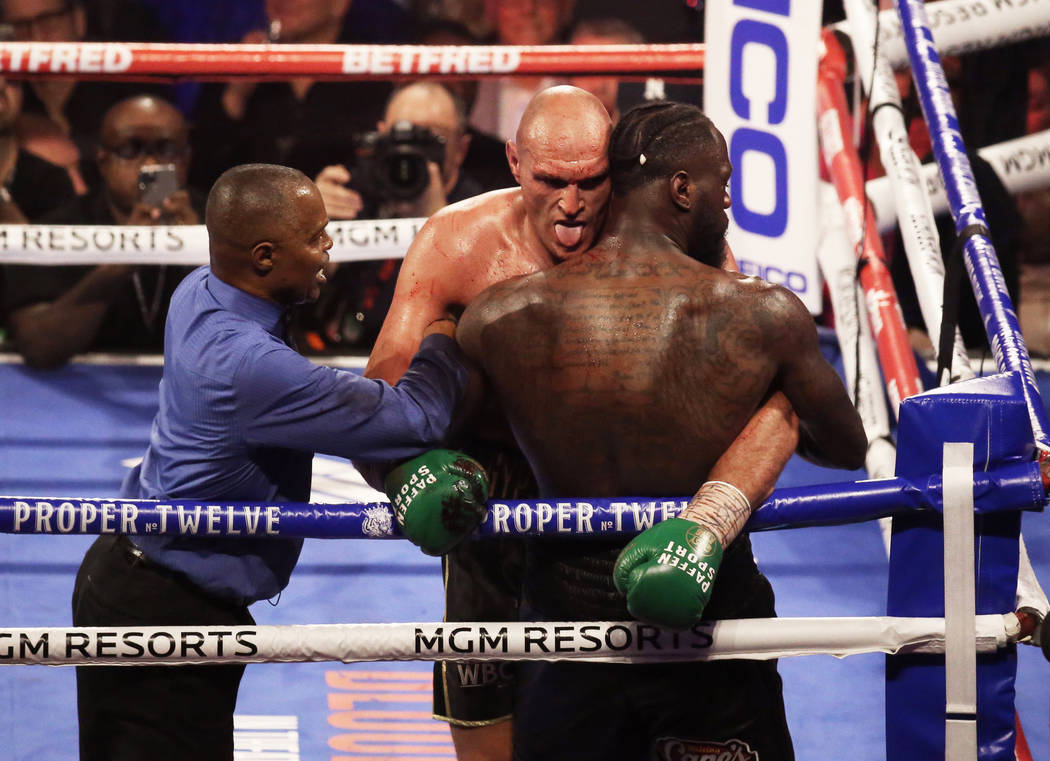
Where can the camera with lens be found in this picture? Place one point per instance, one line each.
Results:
(392, 166)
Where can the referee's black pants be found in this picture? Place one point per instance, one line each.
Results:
(151, 713)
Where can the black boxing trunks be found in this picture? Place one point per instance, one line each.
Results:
(483, 583)
(661, 712)
(573, 581)
(571, 711)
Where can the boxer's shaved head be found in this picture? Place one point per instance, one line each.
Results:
(564, 119)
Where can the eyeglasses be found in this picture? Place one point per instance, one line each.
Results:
(46, 22)
(135, 147)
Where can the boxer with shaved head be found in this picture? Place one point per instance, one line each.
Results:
(560, 159)
(241, 415)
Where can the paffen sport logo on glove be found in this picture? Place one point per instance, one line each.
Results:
(686, 560)
(410, 489)
(667, 572)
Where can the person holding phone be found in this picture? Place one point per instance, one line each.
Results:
(54, 313)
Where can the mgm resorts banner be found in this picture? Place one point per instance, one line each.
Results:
(760, 79)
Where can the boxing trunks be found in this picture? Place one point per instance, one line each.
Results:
(483, 583)
(662, 711)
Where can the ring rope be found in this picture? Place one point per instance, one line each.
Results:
(353, 240)
(903, 171)
(961, 26)
(843, 162)
(1012, 487)
(119, 60)
(993, 301)
(601, 641)
(1021, 164)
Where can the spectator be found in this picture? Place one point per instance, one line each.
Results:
(1034, 205)
(123, 21)
(502, 101)
(301, 122)
(60, 117)
(434, 107)
(468, 15)
(605, 31)
(56, 312)
(30, 185)
(659, 21)
(351, 312)
(486, 161)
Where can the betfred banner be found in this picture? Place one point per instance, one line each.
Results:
(760, 77)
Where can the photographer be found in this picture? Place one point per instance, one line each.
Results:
(410, 167)
(56, 312)
(423, 122)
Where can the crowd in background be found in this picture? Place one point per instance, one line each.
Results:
(83, 152)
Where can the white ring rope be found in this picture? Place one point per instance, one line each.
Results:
(602, 641)
(353, 240)
(961, 26)
(919, 231)
(1022, 164)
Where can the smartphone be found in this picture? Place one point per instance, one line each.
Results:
(156, 183)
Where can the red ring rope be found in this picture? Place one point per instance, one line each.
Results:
(354, 62)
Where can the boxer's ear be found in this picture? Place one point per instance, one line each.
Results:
(680, 190)
(513, 161)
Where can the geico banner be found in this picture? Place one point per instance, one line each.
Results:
(760, 90)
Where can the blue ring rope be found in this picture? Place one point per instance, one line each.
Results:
(982, 264)
(1016, 486)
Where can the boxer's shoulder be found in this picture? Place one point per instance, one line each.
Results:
(478, 214)
(776, 311)
(734, 286)
(481, 241)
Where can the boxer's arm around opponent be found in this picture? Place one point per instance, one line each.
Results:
(668, 571)
(830, 430)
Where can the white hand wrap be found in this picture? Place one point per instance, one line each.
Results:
(720, 507)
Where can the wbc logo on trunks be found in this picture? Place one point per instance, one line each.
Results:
(677, 749)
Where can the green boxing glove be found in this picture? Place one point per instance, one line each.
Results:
(438, 498)
(668, 572)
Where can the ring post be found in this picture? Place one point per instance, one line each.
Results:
(992, 413)
(982, 265)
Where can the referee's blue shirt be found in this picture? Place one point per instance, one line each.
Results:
(241, 415)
